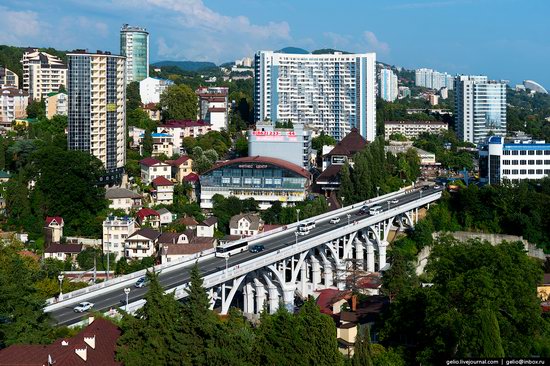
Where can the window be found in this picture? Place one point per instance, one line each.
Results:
(523, 152)
(539, 171)
(226, 180)
(514, 171)
(506, 171)
(531, 152)
(531, 171)
(539, 162)
(531, 162)
(506, 152)
(523, 171)
(514, 152)
(523, 162)
(506, 162)
(539, 152)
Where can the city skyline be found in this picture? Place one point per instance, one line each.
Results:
(456, 36)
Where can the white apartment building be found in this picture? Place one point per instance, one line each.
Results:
(97, 108)
(514, 160)
(13, 104)
(480, 108)
(181, 129)
(292, 145)
(163, 193)
(387, 85)
(42, 73)
(330, 92)
(8, 78)
(213, 106)
(57, 104)
(152, 168)
(115, 232)
(432, 79)
(150, 89)
(413, 129)
(134, 45)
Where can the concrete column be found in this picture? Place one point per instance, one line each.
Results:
(316, 272)
(248, 298)
(382, 253)
(303, 280)
(370, 256)
(288, 297)
(223, 294)
(273, 299)
(342, 274)
(327, 274)
(260, 297)
(359, 255)
(212, 298)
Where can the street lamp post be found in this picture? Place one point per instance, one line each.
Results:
(60, 278)
(296, 234)
(343, 199)
(348, 215)
(127, 292)
(298, 215)
(226, 260)
(388, 205)
(377, 191)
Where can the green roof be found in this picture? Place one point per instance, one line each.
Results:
(52, 94)
(29, 120)
(4, 174)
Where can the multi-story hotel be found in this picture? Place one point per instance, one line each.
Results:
(213, 106)
(13, 104)
(150, 89)
(432, 79)
(387, 85)
(515, 160)
(97, 108)
(8, 78)
(115, 232)
(480, 108)
(329, 92)
(413, 129)
(134, 45)
(56, 104)
(42, 73)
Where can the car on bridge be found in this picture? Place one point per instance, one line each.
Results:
(395, 200)
(363, 211)
(141, 282)
(256, 248)
(334, 220)
(83, 306)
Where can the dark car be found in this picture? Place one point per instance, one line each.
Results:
(256, 248)
(363, 211)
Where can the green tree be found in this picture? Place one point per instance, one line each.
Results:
(241, 146)
(323, 139)
(362, 353)
(147, 145)
(133, 99)
(179, 102)
(36, 109)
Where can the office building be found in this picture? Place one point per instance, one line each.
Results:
(291, 144)
(13, 105)
(213, 106)
(432, 79)
(97, 109)
(8, 78)
(329, 92)
(387, 85)
(514, 160)
(150, 89)
(480, 108)
(134, 45)
(413, 129)
(42, 73)
(267, 180)
(56, 104)
(115, 232)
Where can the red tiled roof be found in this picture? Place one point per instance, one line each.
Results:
(209, 221)
(187, 249)
(147, 233)
(149, 161)
(328, 297)
(161, 181)
(144, 212)
(102, 331)
(185, 124)
(349, 145)
(191, 177)
(64, 248)
(269, 227)
(188, 221)
(264, 160)
(151, 106)
(57, 219)
(182, 159)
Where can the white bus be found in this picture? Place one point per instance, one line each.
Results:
(375, 210)
(233, 247)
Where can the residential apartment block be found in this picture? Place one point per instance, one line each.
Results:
(329, 92)
(480, 108)
(387, 85)
(134, 45)
(8, 78)
(13, 105)
(413, 129)
(432, 79)
(57, 104)
(180, 129)
(97, 108)
(42, 73)
(150, 89)
(213, 106)
(514, 160)
(152, 168)
(115, 232)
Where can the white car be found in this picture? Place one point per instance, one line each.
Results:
(83, 306)
(334, 220)
(436, 187)
(395, 200)
(303, 232)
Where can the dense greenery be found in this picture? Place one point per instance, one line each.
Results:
(528, 113)
(10, 57)
(277, 214)
(225, 208)
(323, 139)
(168, 333)
(220, 142)
(179, 102)
(482, 303)
(375, 172)
(453, 158)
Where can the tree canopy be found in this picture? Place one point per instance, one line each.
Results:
(179, 102)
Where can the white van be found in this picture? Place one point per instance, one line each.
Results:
(306, 226)
(375, 210)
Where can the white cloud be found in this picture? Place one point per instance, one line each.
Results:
(16, 26)
(374, 44)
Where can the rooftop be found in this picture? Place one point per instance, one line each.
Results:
(145, 212)
(63, 248)
(150, 161)
(349, 145)
(161, 181)
(147, 233)
(264, 160)
(184, 124)
(113, 193)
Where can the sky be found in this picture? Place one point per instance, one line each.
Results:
(504, 39)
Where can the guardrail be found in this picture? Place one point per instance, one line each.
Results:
(121, 281)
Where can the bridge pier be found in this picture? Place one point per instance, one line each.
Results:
(359, 254)
(273, 298)
(315, 272)
(260, 296)
(248, 298)
(382, 245)
(370, 256)
(303, 279)
(342, 275)
(288, 297)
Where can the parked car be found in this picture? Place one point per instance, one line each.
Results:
(256, 248)
(142, 282)
(395, 200)
(335, 220)
(83, 306)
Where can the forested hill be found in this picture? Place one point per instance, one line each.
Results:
(10, 57)
(187, 65)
